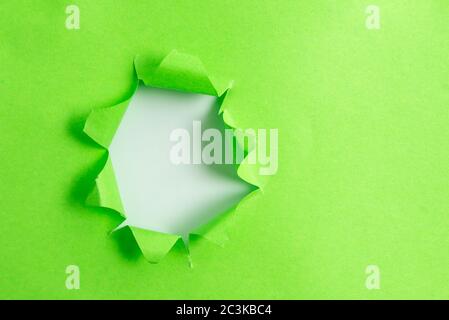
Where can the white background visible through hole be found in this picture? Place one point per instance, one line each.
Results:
(157, 194)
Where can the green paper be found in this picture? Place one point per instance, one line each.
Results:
(363, 147)
(154, 245)
(215, 230)
(105, 192)
(178, 71)
(102, 123)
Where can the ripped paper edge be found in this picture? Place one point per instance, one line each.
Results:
(174, 71)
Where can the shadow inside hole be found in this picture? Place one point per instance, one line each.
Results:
(154, 195)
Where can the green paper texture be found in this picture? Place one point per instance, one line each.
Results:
(363, 122)
(175, 71)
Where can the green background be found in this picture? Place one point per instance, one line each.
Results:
(363, 121)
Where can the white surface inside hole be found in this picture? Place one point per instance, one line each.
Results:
(157, 194)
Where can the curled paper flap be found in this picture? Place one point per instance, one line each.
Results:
(154, 245)
(101, 124)
(176, 71)
(105, 192)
